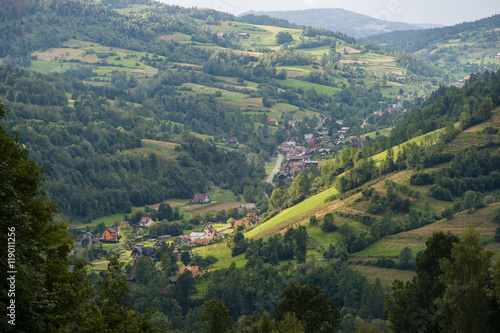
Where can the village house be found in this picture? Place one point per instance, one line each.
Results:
(195, 270)
(232, 141)
(244, 34)
(245, 223)
(297, 158)
(339, 122)
(220, 35)
(158, 243)
(248, 206)
(183, 240)
(120, 223)
(110, 234)
(308, 136)
(143, 251)
(285, 175)
(200, 198)
(203, 241)
(197, 235)
(292, 123)
(272, 121)
(145, 221)
(295, 139)
(88, 236)
(210, 232)
(253, 216)
(324, 152)
(310, 163)
(163, 237)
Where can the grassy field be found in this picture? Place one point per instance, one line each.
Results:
(108, 220)
(291, 212)
(385, 275)
(307, 85)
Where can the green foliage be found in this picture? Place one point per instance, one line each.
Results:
(283, 38)
(465, 305)
(215, 318)
(452, 289)
(46, 293)
(311, 307)
(328, 225)
(290, 324)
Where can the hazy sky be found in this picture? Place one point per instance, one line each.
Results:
(445, 12)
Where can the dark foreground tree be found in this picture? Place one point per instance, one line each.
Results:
(215, 318)
(411, 305)
(42, 293)
(311, 307)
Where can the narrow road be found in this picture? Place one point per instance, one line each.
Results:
(276, 168)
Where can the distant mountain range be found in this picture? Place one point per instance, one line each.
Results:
(341, 20)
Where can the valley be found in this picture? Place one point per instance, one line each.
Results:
(193, 156)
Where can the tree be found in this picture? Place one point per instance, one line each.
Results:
(290, 324)
(46, 293)
(310, 305)
(186, 257)
(313, 220)
(411, 305)
(215, 318)
(301, 238)
(406, 260)
(126, 233)
(465, 305)
(109, 310)
(283, 38)
(328, 225)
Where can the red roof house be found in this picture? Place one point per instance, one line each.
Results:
(145, 221)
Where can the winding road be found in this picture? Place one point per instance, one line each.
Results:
(276, 168)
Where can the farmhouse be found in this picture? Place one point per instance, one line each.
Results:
(145, 221)
(248, 206)
(210, 232)
(86, 236)
(197, 235)
(232, 141)
(120, 223)
(183, 240)
(143, 251)
(195, 270)
(246, 223)
(203, 241)
(200, 198)
(110, 234)
(253, 216)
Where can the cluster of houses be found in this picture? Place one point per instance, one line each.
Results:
(236, 34)
(495, 57)
(112, 233)
(203, 237)
(394, 107)
(299, 157)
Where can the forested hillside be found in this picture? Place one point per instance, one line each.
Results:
(101, 77)
(337, 19)
(388, 193)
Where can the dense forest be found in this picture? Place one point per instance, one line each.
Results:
(414, 40)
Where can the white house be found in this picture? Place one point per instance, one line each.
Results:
(197, 235)
(145, 221)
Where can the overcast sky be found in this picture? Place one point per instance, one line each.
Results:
(445, 12)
